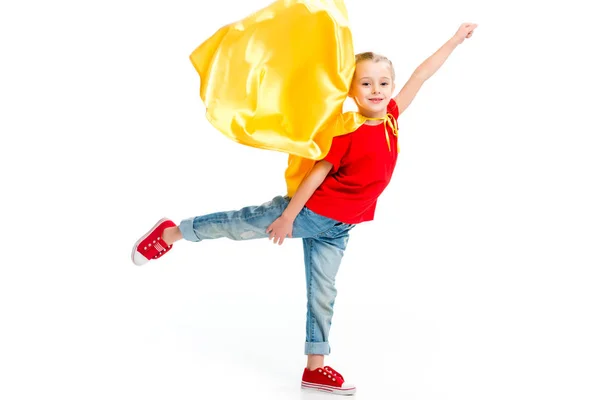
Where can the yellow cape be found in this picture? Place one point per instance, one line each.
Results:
(278, 79)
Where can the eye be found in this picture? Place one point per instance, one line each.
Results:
(384, 83)
(365, 83)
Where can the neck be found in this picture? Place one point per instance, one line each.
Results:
(379, 115)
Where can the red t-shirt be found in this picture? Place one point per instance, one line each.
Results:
(362, 168)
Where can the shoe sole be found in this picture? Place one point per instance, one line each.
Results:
(328, 389)
(135, 246)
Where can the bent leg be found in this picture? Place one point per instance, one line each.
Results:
(252, 222)
(246, 223)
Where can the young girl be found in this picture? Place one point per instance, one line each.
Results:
(340, 192)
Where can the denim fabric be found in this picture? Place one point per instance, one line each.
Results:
(324, 242)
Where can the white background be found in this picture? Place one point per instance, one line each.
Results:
(478, 279)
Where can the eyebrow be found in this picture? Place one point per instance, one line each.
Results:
(368, 77)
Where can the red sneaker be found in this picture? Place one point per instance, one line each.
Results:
(326, 379)
(151, 245)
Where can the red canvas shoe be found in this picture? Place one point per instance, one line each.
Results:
(326, 379)
(152, 246)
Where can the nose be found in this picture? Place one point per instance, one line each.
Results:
(375, 89)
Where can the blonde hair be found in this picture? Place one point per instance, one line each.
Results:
(369, 55)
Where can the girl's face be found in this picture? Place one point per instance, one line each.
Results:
(372, 88)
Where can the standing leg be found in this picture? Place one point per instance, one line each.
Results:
(322, 258)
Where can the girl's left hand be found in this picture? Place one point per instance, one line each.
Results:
(465, 31)
(280, 229)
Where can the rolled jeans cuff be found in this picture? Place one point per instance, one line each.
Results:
(187, 230)
(316, 348)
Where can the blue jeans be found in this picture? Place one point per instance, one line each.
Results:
(324, 241)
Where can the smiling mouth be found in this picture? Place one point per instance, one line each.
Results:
(376, 99)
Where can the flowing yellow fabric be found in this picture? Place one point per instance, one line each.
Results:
(278, 79)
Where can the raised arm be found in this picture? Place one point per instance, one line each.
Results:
(430, 66)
